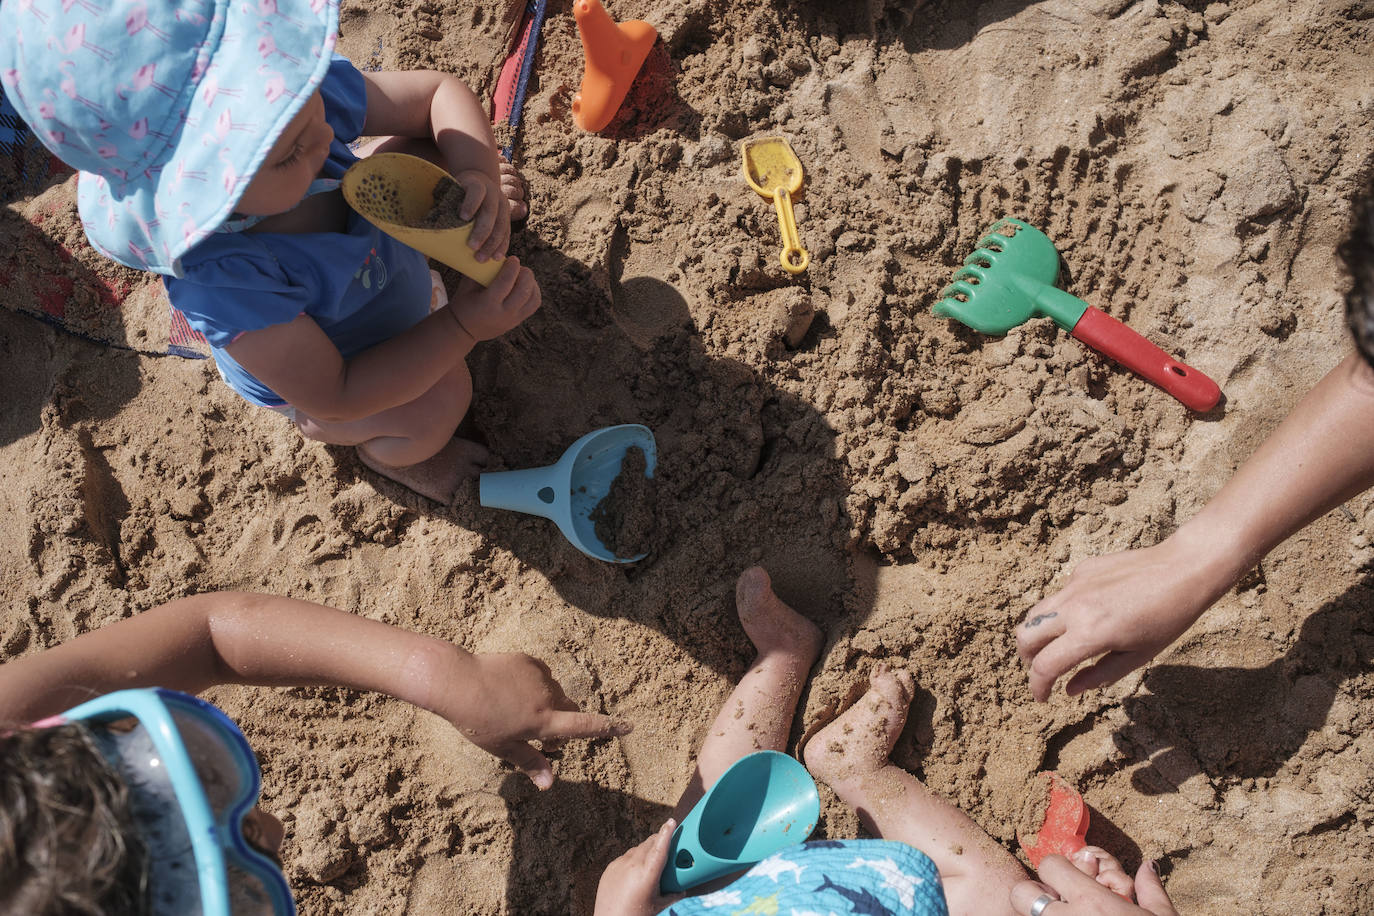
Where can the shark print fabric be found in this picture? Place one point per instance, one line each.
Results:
(829, 878)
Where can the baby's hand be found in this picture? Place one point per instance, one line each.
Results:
(486, 205)
(1098, 863)
(629, 885)
(487, 313)
(511, 699)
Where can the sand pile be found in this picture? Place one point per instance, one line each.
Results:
(910, 485)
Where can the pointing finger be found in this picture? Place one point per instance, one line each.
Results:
(563, 724)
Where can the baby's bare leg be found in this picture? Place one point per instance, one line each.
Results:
(851, 756)
(413, 444)
(758, 714)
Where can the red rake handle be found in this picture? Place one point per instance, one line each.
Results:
(1113, 339)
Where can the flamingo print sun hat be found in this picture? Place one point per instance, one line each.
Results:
(166, 107)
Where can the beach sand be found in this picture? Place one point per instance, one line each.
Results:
(911, 486)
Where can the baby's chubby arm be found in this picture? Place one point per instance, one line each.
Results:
(1129, 606)
(299, 361)
(499, 702)
(439, 106)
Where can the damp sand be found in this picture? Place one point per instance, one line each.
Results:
(627, 519)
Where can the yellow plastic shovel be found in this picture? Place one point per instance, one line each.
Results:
(395, 192)
(772, 169)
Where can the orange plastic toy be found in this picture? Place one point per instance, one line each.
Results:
(1065, 827)
(614, 55)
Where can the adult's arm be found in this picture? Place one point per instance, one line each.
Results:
(1124, 609)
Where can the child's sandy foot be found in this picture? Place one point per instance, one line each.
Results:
(437, 477)
(771, 625)
(514, 187)
(859, 741)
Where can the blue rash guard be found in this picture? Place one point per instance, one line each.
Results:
(360, 286)
(871, 877)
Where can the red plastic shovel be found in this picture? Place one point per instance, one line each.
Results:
(1064, 830)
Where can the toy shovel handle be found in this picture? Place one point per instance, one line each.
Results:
(794, 257)
(1111, 338)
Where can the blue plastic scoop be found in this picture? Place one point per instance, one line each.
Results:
(566, 492)
(765, 802)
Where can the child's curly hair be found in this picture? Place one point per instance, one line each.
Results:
(1358, 253)
(68, 843)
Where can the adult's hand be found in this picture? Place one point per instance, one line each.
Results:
(1125, 608)
(1074, 893)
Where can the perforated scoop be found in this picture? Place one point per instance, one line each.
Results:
(396, 193)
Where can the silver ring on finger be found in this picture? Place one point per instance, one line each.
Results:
(1040, 903)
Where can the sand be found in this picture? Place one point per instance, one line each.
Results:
(448, 203)
(626, 519)
(911, 486)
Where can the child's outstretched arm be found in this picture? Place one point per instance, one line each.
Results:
(1129, 606)
(499, 702)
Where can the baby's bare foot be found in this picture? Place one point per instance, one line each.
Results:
(860, 740)
(513, 186)
(438, 477)
(771, 625)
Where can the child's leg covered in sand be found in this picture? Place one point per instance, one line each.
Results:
(758, 714)
(851, 755)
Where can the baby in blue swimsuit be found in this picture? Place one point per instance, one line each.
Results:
(930, 859)
(210, 139)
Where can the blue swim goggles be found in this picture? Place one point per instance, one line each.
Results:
(186, 757)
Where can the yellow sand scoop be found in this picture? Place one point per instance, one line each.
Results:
(772, 169)
(395, 192)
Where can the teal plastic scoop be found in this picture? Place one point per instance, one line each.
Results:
(765, 802)
(567, 491)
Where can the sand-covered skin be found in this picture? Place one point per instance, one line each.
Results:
(909, 485)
